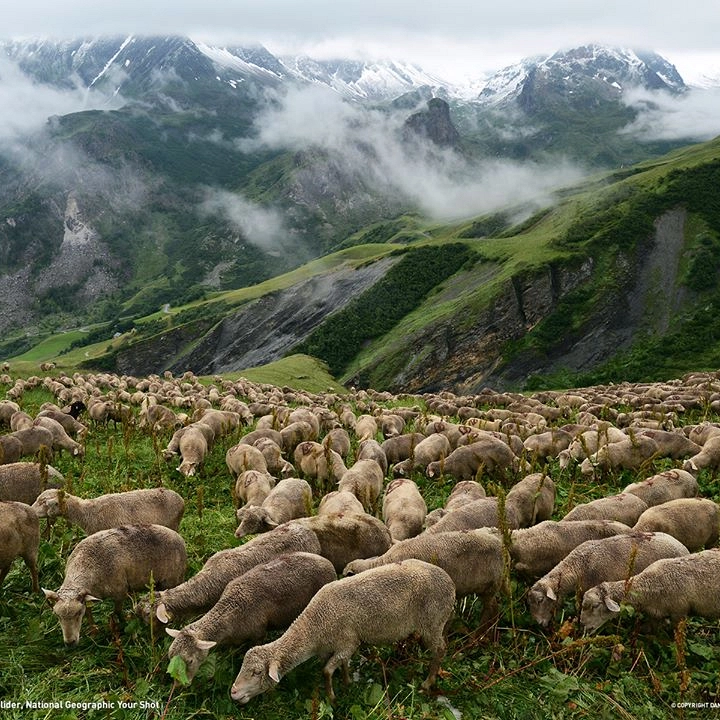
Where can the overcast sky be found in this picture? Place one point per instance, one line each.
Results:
(453, 38)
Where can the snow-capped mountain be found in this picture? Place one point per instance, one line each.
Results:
(610, 71)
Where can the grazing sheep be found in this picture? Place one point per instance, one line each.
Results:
(316, 461)
(708, 457)
(665, 486)
(623, 507)
(548, 444)
(193, 448)
(69, 423)
(403, 509)
(204, 589)
(538, 549)
(295, 433)
(7, 409)
(391, 425)
(383, 605)
(289, 499)
(596, 561)
(472, 558)
(253, 486)
(344, 538)
(20, 421)
(467, 461)
(304, 414)
(24, 481)
(366, 428)
(372, 450)
(473, 515)
(35, 440)
(19, 537)
(464, 492)
(155, 506)
(588, 443)
(337, 502)
(430, 450)
(267, 597)
(532, 499)
(633, 453)
(672, 588)
(242, 457)
(401, 447)
(671, 444)
(254, 435)
(338, 440)
(695, 522)
(61, 440)
(111, 563)
(11, 449)
(365, 480)
(277, 465)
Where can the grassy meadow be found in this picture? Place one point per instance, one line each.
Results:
(516, 670)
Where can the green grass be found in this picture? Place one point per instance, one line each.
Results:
(625, 672)
(301, 372)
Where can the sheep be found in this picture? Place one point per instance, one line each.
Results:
(295, 433)
(11, 449)
(315, 461)
(223, 422)
(61, 440)
(253, 486)
(267, 597)
(157, 418)
(24, 481)
(665, 486)
(337, 502)
(364, 480)
(538, 549)
(403, 509)
(532, 499)
(289, 499)
(632, 453)
(401, 447)
(254, 435)
(19, 537)
(7, 409)
(623, 507)
(372, 450)
(277, 465)
(695, 522)
(242, 457)
(391, 425)
(669, 588)
(203, 590)
(588, 443)
(111, 563)
(344, 538)
(382, 605)
(547, 444)
(595, 561)
(304, 414)
(671, 444)
(708, 457)
(472, 558)
(156, 506)
(464, 492)
(193, 448)
(69, 423)
(366, 428)
(476, 514)
(338, 440)
(467, 461)
(35, 441)
(20, 421)
(428, 451)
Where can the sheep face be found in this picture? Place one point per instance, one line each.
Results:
(70, 612)
(542, 602)
(190, 648)
(254, 520)
(257, 674)
(597, 609)
(48, 504)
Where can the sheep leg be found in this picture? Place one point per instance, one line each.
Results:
(3, 574)
(339, 659)
(436, 644)
(31, 563)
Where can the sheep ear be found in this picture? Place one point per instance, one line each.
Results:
(51, 595)
(611, 605)
(550, 593)
(270, 523)
(161, 613)
(91, 598)
(172, 632)
(206, 644)
(274, 671)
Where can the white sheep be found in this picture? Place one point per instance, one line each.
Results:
(624, 507)
(464, 492)
(24, 481)
(158, 506)
(289, 499)
(383, 605)
(403, 509)
(695, 522)
(19, 537)
(665, 486)
(365, 480)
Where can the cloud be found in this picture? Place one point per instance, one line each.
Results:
(261, 226)
(692, 116)
(369, 145)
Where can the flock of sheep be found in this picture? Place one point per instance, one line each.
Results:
(324, 483)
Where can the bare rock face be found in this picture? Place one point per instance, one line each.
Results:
(433, 124)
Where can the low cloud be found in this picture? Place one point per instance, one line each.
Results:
(261, 226)
(692, 116)
(368, 144)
